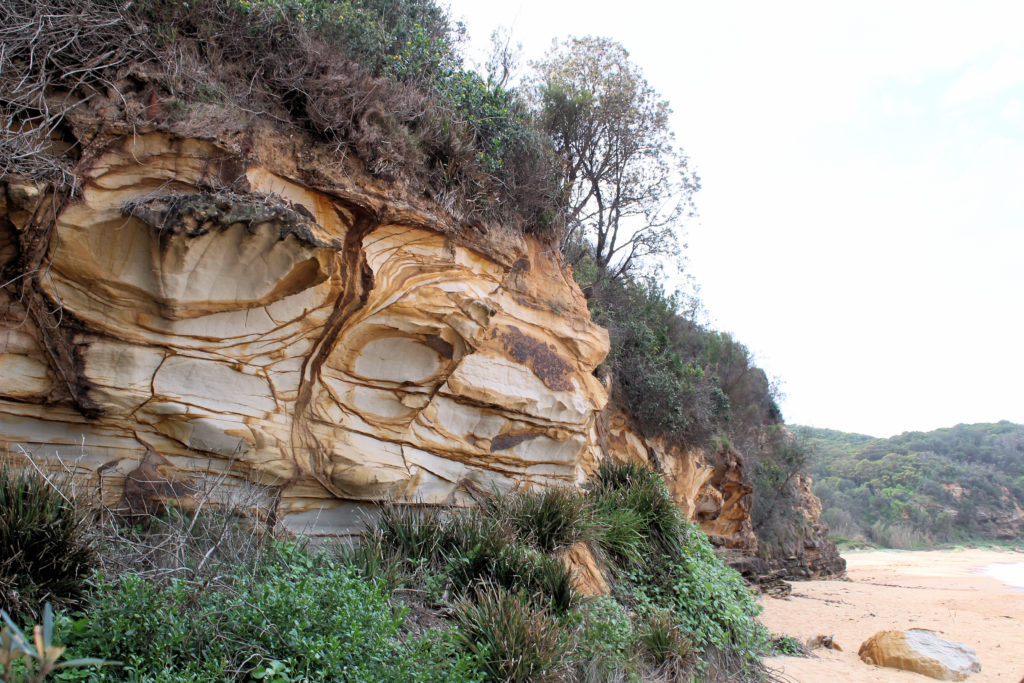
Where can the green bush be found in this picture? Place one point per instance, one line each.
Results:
(315, 618)
(605, 639)
(663, 375)
(708, 599)
(44, 553)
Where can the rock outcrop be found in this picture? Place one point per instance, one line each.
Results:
(710, 486)
(814, 556)
(224, 308)
(921, 651)
(209, 310)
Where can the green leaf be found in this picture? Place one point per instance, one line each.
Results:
(87, 661)
(47, 626)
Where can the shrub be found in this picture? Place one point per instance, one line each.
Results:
(44, 553)
(512, 639)
(317, 619)
(661, 372)
(604, 639)
(708, 599)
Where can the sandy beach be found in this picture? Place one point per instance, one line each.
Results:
(939, 590)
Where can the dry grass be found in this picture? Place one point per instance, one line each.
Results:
(214, 529)
(147, 62)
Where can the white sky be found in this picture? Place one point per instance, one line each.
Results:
(862, 216)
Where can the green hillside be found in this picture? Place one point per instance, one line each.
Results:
(921, 488)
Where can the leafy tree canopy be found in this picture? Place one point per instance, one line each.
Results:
(920, 488)
(625, 186)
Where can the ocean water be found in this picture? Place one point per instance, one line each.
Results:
(1010, 574)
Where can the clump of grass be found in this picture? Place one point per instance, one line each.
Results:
(666, 646)
(412, 532)
(464, 549)
(512, 638)
(44, 551)
(372, 561)
(637, 511)
(547, 519)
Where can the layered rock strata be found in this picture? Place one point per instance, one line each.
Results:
(199, 314)
(223, 309)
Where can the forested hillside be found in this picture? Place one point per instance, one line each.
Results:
(921, 488)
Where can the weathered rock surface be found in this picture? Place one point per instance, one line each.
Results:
(588, 575)
(815, 556)
(278, 333)
(710, 486)
(921, 651)
(225, 302)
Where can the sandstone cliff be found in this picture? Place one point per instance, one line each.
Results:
(231, 303)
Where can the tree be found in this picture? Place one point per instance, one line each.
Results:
(626, 189)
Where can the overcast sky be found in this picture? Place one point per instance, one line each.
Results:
(862, 214)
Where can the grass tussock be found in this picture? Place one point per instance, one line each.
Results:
(512, 639)
(45, 555)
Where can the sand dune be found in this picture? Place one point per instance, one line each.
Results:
(938, 590)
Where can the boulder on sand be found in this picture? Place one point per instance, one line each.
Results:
(921, 651)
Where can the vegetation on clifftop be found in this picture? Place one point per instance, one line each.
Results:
(380, 81)
(921, 488)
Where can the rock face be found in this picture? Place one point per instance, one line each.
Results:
(225, 309)
(208, 314)
(815, 556)
(921, 651)
(710, 486)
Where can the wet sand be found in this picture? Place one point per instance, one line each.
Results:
(940, 590)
